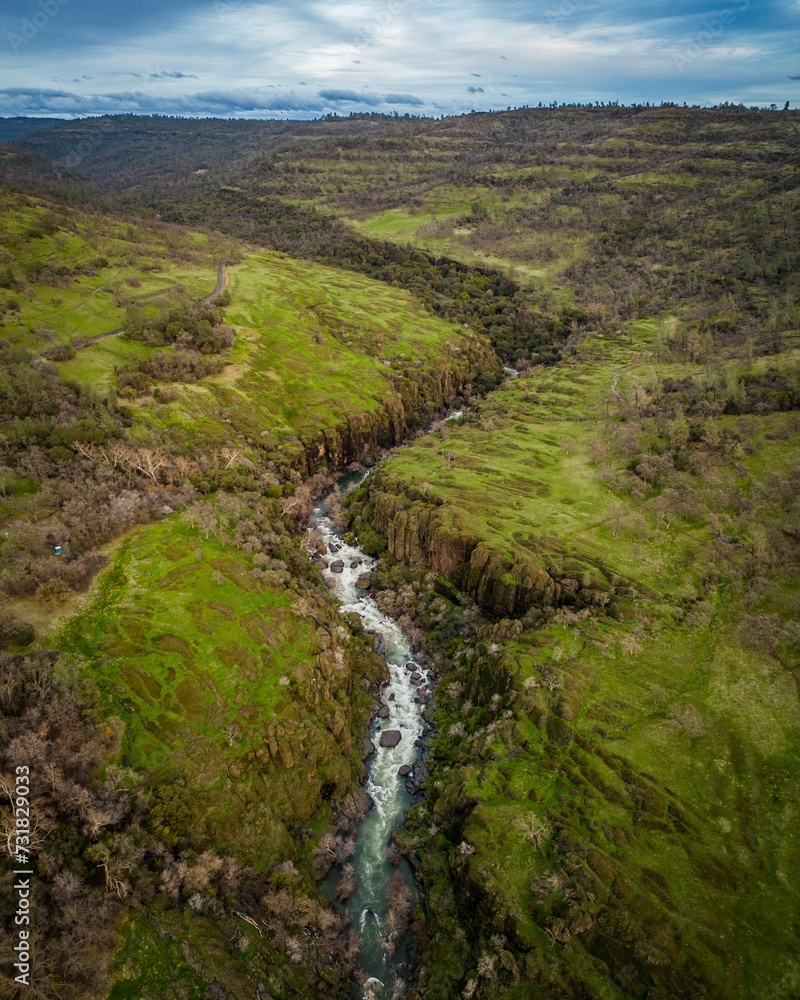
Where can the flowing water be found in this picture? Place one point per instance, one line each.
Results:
(368, 905)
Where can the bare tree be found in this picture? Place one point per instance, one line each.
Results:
(114, 885)
(231, 456)
(535, 830)
(148, 461)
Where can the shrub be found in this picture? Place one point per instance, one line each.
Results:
(14, 632)
(60, 352)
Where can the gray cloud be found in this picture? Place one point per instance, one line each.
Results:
(33, 100)
(229, 101)
(407, 99)
(350, 97)
(336, 96)
(475, 90)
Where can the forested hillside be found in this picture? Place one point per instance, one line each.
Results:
(169, 654)
(202, 324)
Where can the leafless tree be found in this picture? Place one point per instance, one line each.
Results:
(231, 456)
(148, 461)
(535, 830)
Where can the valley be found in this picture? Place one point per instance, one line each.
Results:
(594, 559)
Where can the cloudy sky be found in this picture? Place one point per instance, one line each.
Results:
(259, 58)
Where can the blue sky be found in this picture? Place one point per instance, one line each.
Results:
(311, 57)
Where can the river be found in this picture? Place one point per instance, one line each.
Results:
(368, 905)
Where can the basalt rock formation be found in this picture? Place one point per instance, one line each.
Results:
(417, 396)
(418, 528)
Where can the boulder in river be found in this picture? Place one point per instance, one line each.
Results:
(404, 770)
(364, 581)
(390, 737)
(383, 712)
(333, 547)
(337, 566)
(356, 564)
(367, 748)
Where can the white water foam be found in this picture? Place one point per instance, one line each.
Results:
(384, 784)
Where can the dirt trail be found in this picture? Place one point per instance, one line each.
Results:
(222, 281)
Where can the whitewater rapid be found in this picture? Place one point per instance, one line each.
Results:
(404, 696)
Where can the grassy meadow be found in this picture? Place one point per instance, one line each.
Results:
(195, 656)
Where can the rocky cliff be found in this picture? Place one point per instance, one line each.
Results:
(420, 529)
(417, 395)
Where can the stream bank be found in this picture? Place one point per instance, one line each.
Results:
(379, 902)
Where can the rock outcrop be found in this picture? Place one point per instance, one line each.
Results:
(417, 396)
(419, 529)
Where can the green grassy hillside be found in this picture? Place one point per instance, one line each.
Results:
(609, 792)
(595, 217)
(204, 662)
(324, 368)
(648, 204)
(600, 558)
(219, 701)
(307, 369)
(68, 274)
(199, 702)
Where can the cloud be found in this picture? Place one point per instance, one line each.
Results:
(173, 76)
(38, 92)
(370, 99)
(230, 101)
(33, 100)
(407, 99)
(349, 97)
(359, 55)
